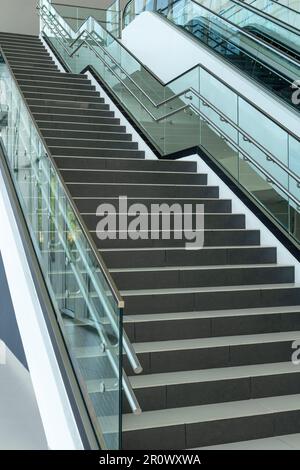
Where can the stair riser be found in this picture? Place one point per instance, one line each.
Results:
(49, 92)
(70, 113)
(119, 259)
(48, 115)
(127, 177)
(193, 278)
(210, 221)
(211, 238)
(221, 391)
(32, 47)
(97, 152)
(209, 358)
(89, 206)
(171, 330)
(88, 144)
(134, 165)
(204, 301)
(188, 436)
(136, 191)
(46, 99)
(209, 257)
(43, 76)
(41, 59)
(33, 66)
(202, 278)
(67, 84)
(28, 55)
(73, 126)
(19, 46)
(24, 38)
(84, 164)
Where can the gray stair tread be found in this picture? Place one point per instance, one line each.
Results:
(210, 314)
(170, 248)
(191, 290)
(202, 343)
(198, 268)
(215, 342)
(214, 412)
(208, 375)
(185, 268)
(285, 442)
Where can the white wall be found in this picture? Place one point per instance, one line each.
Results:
(19, 16)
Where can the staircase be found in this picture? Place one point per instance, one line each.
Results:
(213, 328)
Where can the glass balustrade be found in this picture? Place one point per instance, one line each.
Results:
(196, 109)
(87, 310)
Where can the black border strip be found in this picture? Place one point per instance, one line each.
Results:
(58, 343)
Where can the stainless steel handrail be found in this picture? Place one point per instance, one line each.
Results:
(224, 118)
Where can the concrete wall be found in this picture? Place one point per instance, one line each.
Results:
(19, 16)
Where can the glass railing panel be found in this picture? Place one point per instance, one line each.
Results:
(294, 187)
(87, 311)
(75, 16)
(250, 20)
(269, 136)
(203, 111)
(277, 10)
(268, 195)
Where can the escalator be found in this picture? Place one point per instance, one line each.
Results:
(241, 37)
(275, 24)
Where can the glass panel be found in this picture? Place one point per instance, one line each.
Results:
(278, 10)
(75, 16)
(86, 309)
(195, 109)
(221, 25)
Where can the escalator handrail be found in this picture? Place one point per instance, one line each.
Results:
(268, 16)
